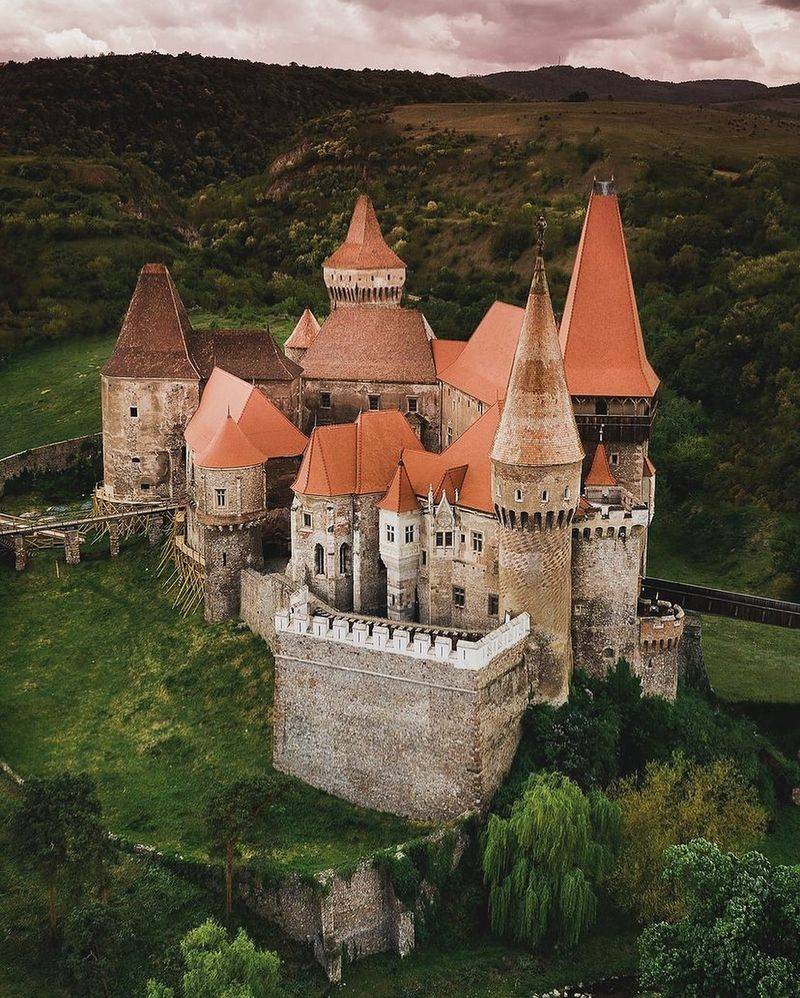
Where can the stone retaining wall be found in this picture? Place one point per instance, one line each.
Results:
(52, 458)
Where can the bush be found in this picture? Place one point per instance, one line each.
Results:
(674, 803)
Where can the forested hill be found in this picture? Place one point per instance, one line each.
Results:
(193, 119)
(561, 82)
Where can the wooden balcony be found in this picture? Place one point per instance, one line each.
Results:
(616, 429)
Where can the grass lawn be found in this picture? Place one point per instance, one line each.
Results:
(98, 673)
(751, 661)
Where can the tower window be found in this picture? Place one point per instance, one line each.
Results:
(545, 495)
(459, 597)
(374, 402)
(410, 534)
(324, 400)
(319, 559)
(424, 558)
(566, 491)
(390, 532)
(344, 559)
(136, 460)
(145, 486)
(449, 435)
(477, 541)
(614, 457)
(307, 520)
(493, 605)
(221, 497)
(224, 558)
(412, 403)
(518, 495)
(134, 411)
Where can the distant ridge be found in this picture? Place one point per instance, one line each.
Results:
(560, 82)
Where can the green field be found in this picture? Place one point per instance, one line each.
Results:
(99, 674)
(751, 661)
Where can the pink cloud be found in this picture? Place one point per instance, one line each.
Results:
(667, 39)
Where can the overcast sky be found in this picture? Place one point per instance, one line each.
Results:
(661, 39)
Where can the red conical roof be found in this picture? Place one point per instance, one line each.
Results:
(305, 332)
(153, 341)
(229, 448)
(400, 496)
(600, 332)
(537, 427)
(600, 472)
(364, 247)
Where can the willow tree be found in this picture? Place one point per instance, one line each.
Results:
(542, 863)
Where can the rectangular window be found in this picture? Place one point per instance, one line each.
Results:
(412, 403)
(459, 597)
(444, 538)
(566, 492)
(518, 495)
(493, 605)
(221, 498)
(424, 558)
(449, 435)
(374, 402)
(307, 520)
(145, 486)
(390, 532)
(614, 457)
(477, 541)
(324, 400)
(134, 411)
(410, 534)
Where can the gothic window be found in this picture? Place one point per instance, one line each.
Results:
(344, 559)
(319, 559)
(374, 402)
(324, 400)
(477, 541)
(221, 498)
(409, 534)
(390, 532)
(459, 597)
(493, 605)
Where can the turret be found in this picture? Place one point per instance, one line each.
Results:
(228, 508)
(363, 270)
(150, 388)
(400, 524)
(536, 471)
(302, 336)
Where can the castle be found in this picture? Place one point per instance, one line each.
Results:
(467, 519)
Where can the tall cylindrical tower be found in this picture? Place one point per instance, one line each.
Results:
(536, 474)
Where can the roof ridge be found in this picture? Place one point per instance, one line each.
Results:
(172, 289)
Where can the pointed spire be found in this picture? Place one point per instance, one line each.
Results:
(304, 333)
(230, 448)
(600, 473)
(364, 247)
(537, 426)
(601, 336)
(400, 496)
(153, 341)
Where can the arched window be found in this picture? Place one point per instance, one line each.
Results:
(344, 559)
(319, 559)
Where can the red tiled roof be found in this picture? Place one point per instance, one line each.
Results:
(400, 496)
(364, 247)
(483, 367)
(371, 343)
(305, 332)
(470, 452)
(250, 354)
(355, 458)
(600, 472)
(267, 430)
(451, 483)
(229, 448)
(538, 428)
(601, 337)
(153, 340)
(445, 353)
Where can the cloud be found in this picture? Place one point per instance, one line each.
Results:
(666, 39)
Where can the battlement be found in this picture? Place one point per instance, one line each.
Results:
(660, 625)
(461, 649)
(611, 521)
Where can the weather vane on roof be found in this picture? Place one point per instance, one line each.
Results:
(541, 225)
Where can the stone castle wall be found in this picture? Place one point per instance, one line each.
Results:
(459, 412)
(349, 398)
(417, 721)
(659, 647)
(53, 458)
(154, 435)
(285, 395)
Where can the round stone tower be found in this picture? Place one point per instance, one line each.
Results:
(363, 270)
(226, 512)
(536, 475)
